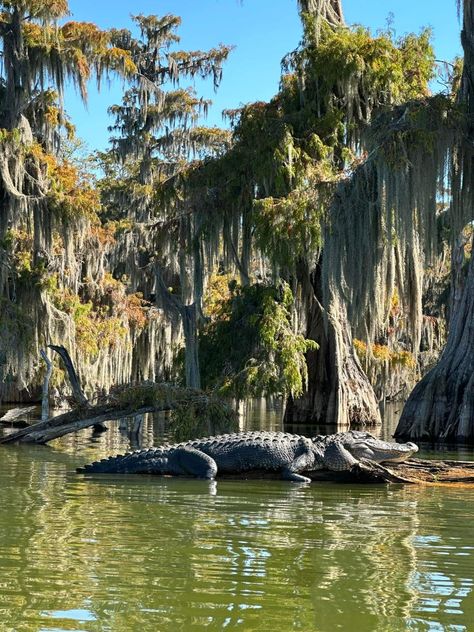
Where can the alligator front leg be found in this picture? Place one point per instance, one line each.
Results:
(300, 464)
(337, 458)
(191, 462)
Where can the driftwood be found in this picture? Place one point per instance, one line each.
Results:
(77, 391)
(413, 471)
(72, 421)
(436, 472)
(126, 401)
(15, 413)
(45, 395)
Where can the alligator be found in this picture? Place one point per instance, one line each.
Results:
(288, 454)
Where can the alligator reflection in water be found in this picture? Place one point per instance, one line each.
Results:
(173, 554)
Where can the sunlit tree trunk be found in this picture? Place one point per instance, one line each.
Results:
(330, 10)
(338, 391)
(441, 406)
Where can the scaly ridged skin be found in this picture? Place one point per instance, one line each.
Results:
(262, 450)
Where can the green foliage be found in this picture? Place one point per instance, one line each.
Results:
(252, 349)
(288, 155)
(18, 246)
(219, 290)
(202, 418)
(350, 74)
(156, 124)
(413, 128)
(289, 228)
(193, 412)
(104, 322)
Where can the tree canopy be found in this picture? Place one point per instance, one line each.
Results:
(329, 213)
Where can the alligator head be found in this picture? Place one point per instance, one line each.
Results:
(362, 445)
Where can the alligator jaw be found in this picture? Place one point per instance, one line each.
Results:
(409, 450)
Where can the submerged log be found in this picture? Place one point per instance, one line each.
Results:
(15, 413)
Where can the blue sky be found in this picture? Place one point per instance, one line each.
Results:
(263, 31)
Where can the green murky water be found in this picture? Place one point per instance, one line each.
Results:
(137, 553)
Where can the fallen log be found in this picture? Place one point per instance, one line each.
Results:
(411, 472)
(15, 413)
(363, 472)
(124, 401)
(434, 472)
(56, 427)
(14, 417)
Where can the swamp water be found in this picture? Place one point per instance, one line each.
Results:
(125, 554)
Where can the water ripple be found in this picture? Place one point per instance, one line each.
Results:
(130, 553)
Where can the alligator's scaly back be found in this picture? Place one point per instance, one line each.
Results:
(236, 453)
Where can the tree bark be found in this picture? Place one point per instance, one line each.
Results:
(14, 62)
(329, 10)
(339, 392)
(77, 391)
(189, 314)
(193, 373)
(45, 395)
(441, 406)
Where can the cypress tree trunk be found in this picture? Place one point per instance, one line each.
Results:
(338, 392)
(14, 61)
(192, 370)
(441, 406)
(330, 10)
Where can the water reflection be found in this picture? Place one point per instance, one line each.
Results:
(133, 553)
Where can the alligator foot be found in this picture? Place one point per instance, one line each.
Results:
(288, 475)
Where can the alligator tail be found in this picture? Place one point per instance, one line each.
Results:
(153, 461)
